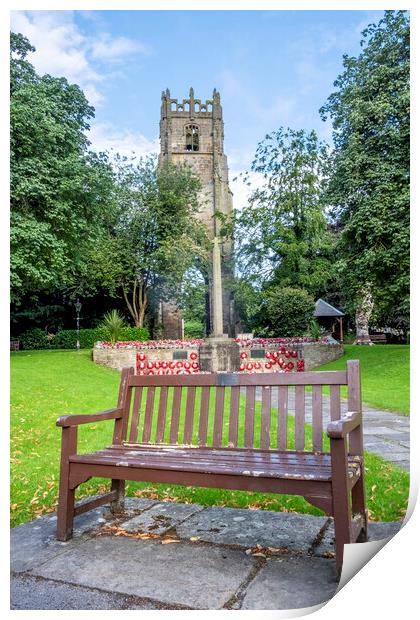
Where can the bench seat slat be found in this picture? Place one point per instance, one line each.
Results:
(257, 464)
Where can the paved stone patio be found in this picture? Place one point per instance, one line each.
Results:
(161, 555)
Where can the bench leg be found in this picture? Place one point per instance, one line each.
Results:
(358, 501)
(117, 505)
(65, 513)
(340, 500)
(65, 510)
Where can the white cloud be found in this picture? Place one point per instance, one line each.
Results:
(63, 50)
(105, 137)
(107, 48)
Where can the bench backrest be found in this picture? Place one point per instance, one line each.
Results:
(236, 410)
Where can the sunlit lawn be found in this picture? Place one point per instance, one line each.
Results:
(385, 372)
(46, 384)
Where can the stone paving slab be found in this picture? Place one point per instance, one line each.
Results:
(161, 517)
(376, 531)
(291, 583)
(28, 592)
(199, 577)
(251, 527)
(34, 542)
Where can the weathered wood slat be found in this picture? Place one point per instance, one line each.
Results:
(163, 402)
(218, 417)
(265, 417)
(282, 396)
(331, 377)
(249, 416)
(204, 416)
(317, 418)
(335, 410)
(135, 416)
(189, 414)
(234, 416)
(176, 410)
(317, 468)
(243, 454)
(300, 417)
(148, 414)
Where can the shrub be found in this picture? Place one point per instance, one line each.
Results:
(287, 311)
(35, 338)
(113, 323)
(193, 329)
(67, 338)
(314, 329)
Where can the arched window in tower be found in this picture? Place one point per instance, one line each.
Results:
(191, 138)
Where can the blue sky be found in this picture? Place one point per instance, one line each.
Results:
(272, 68)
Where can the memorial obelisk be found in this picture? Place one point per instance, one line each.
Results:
(218, 353)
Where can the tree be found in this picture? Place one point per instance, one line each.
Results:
(60, 192)
(282, 234)
(369, 186)
(155, 237)
(286, 311)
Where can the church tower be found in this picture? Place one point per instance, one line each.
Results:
(191, 131)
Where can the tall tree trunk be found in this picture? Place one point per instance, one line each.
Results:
(138, 304)
(363, 314)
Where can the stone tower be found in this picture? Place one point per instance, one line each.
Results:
(191, 131)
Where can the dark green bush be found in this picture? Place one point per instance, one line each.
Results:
(35, 338)
(67, 338)
(286, 311)
(193, 329)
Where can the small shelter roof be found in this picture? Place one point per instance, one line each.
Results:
(322, 308)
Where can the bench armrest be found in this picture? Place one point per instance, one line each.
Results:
(75, 420)
(339, 428)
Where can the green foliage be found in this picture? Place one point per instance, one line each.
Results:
(60, 192)
(67, 338)
(286, 311)
(247, 303)
(193, 291)
(193, 329)
(113, 324)
(314, 329)
(369, 186)
(154, 238)
(35, 338)
(281, 235)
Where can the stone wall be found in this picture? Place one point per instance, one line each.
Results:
(316, 354)
(313, 354)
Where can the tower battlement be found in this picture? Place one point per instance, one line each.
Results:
(190, 107)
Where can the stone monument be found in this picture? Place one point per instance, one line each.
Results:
(218, 353)
(191, 131)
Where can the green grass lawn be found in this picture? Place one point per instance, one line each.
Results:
(385, 371)
(46, 384)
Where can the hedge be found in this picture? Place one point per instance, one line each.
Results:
(67, 338)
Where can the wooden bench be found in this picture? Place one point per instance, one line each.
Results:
(378, 338)
(167, 430)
